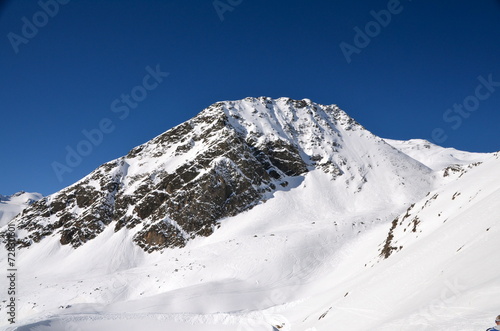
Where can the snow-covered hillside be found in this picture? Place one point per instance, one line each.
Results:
(344, 231)
(11, 205)
(433, 156)
(438, 273)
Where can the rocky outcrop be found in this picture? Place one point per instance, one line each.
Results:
(229, 172)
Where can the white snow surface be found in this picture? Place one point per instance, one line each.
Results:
(434, 156)
(11, 205)
(307, 259)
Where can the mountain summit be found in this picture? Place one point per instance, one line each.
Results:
(230, 157)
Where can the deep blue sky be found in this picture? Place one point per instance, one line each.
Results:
(65, 78)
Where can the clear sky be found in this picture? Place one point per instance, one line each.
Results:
(101, 77)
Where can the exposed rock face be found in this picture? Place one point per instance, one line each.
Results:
(177, 186)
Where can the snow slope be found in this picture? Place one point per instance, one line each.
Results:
(434, 156)
(260, 259)
(442, 273)
(311, 257)
(288, 261)
(11, 205)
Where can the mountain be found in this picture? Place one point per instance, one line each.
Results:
(11, 205)
(266, 214)
(229, 158)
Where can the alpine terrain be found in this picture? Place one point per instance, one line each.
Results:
(11, 205)
(264, 214)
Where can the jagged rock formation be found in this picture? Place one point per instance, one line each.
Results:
(227, 159)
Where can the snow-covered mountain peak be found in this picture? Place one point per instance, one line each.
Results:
(284, 117)
(12, 205)
(240, 153)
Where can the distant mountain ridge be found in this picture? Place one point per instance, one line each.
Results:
(433, 156)
(12, 205)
